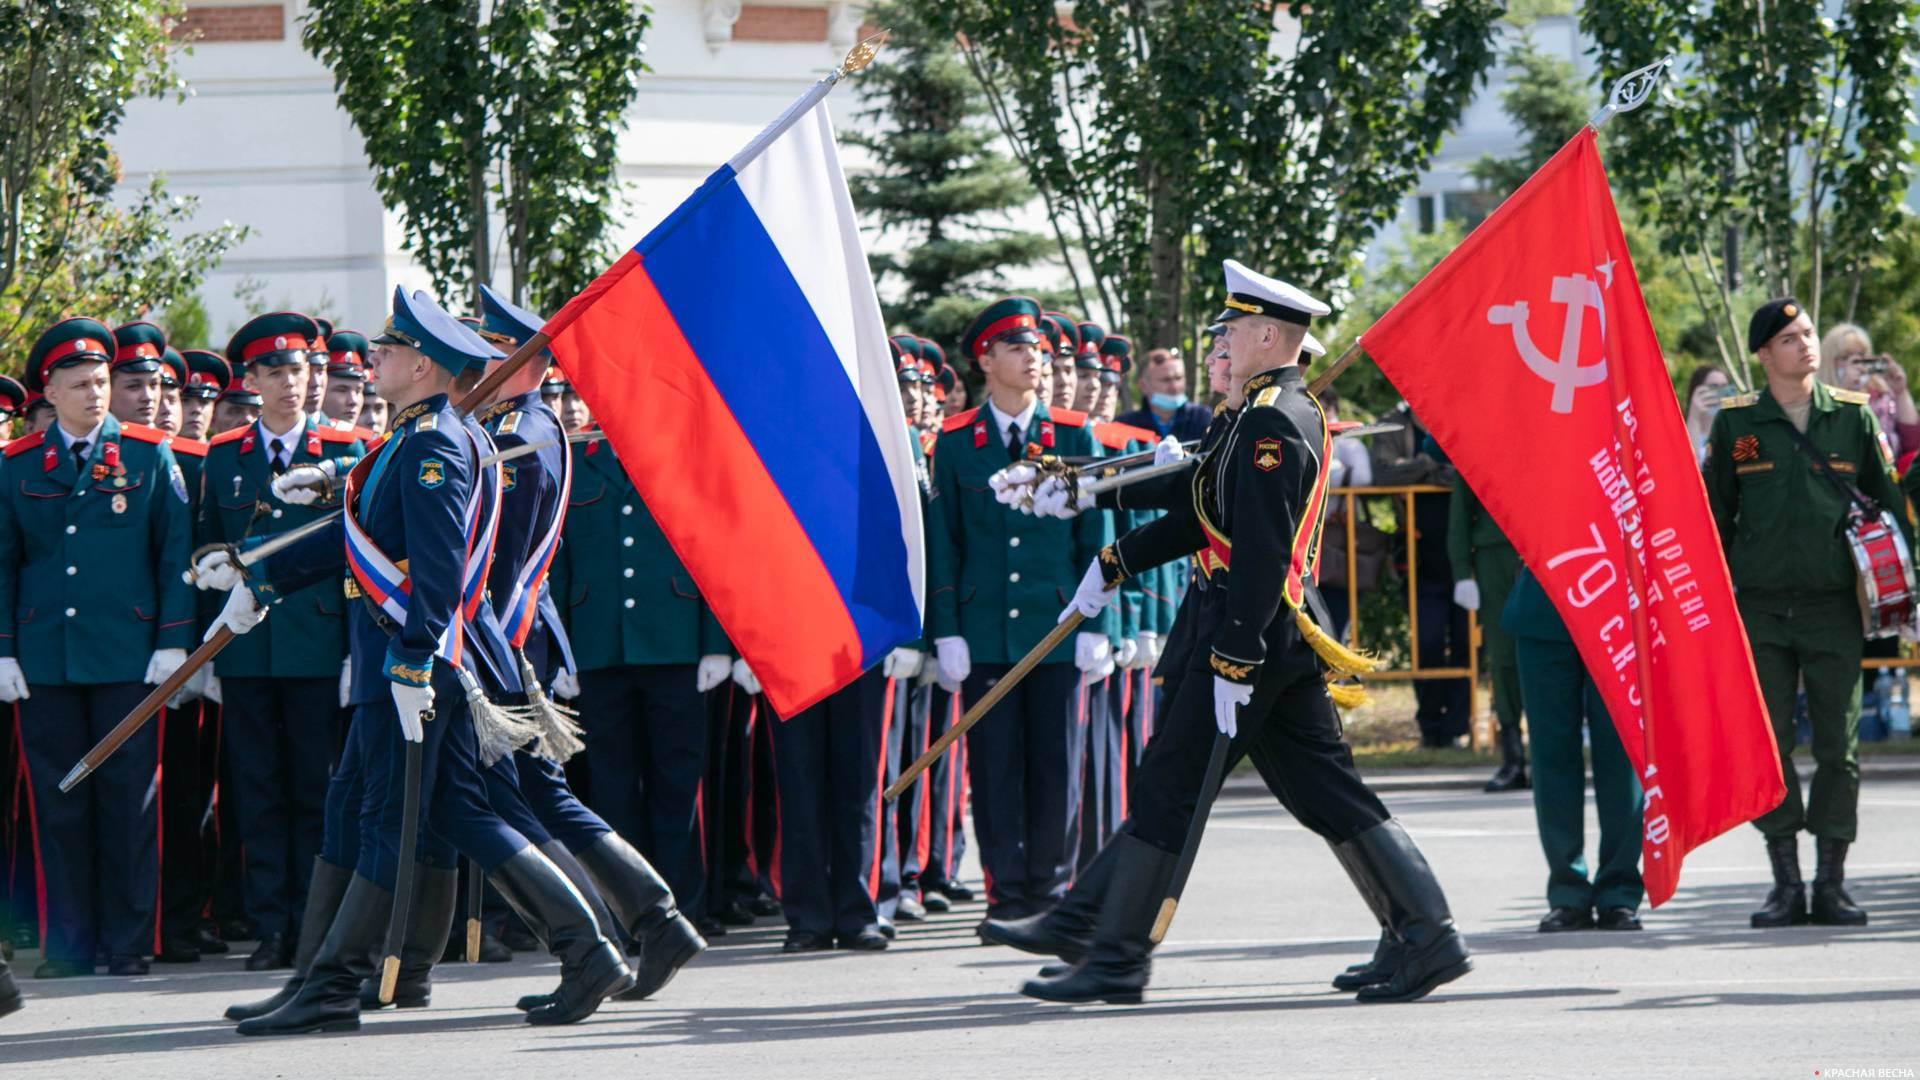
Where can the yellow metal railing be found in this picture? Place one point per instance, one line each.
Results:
(1414, 672)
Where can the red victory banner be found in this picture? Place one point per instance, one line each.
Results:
(1529, 355)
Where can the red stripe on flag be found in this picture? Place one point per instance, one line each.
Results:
(707, 487)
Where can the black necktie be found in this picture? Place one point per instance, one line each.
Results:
(279, 457)
(80, 454)
(1016, 446)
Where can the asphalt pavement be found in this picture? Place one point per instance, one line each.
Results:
(1240, 987)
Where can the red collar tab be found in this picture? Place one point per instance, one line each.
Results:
(980, 434)
(110, 454)
(313, 441)
(246, 443)
(50, 460)
(1046, 434)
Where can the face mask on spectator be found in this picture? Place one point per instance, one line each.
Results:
(1168, 402)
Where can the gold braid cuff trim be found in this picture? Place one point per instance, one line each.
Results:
(1112, 571)
(1238, 673)
(1340, 659)
(412, 676)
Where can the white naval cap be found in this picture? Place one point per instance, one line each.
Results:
(1249, 293)
(1311, 345)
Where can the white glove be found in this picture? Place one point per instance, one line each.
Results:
(1050, 498)
(163, 663)
(1168, 450)
(567, 684)
(242, 613)
(713, 670)
(743, 675)
(1466, 593)
(929, 670)
(410, 702)
(902, 663)
(195, 686)
(956, 662)
(13, 682)
(213, 691)
(302, 485)
(1011, 483)
(1127, 653)
(1092, 596)
(346, 682)
(1149, 649)
(216, 569)
(1091, 653)
(1227, 699)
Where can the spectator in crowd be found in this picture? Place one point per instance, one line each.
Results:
(1408, 457)
(1850, 363)
(1484, 565)
(1561, 699)
(1705, 387)
(1163, 385)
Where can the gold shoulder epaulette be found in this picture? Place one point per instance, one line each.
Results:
(1851, 397)
(1740, 401)
(1267, 397)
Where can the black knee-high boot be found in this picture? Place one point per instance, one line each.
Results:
(329, 997)
(324, 890)
(1116, 966)
(1432, 952)
(591, 969)
(436, 892)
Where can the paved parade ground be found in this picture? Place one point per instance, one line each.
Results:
(1239, 989)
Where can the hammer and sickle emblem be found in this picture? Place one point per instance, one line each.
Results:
(1577, 292)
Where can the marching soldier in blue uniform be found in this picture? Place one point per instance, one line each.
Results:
(533, 507)
(993, 580)
(93, 530)
(280, 685)
(648, 650)
(419, 496)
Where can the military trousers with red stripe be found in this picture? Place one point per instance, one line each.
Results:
(829, 762)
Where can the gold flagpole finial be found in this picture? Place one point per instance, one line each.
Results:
(863, 53)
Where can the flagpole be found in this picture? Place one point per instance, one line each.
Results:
(859, 57)
(1630, 91)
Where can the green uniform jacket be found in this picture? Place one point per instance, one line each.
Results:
(1469, 528)
(1782, 522)
(998, 577)
(90, 568)
(305, 635)
(625, 596)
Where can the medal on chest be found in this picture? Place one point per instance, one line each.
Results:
(119, 502)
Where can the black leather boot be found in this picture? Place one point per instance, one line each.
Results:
(1512, 774)
(1787, 902)
(591, 968)
(1831, 904)
(1432, 951)
(10, 999)
(1116, 966)
(603, 916)
(1386, 951)
(429, 919)
(329, 997)
(643, 904)
(324, 890)
(1067, 930)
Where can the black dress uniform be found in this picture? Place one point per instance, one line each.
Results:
(279, 683)
(93, 533)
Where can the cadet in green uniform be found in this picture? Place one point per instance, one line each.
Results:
(93, 537)
(280, 684)
(994, 584)
(1562, 701)
(648, 650)
(1484, 567)
(1783, 523)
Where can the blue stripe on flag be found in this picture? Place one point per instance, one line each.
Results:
(756, 335)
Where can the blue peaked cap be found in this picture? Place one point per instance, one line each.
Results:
(420, 323)
(502, 316)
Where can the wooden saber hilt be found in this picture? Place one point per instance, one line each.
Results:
(148, 706)
(1000, 689)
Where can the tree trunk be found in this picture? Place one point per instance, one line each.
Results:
(1167, 268)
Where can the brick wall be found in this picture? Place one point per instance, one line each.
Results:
(205, 24)
(766, 22)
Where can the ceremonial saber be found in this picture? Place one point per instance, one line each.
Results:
(199, 658)
(1123, 460)
(1209, 790)
(403, 877)
(1000, 689)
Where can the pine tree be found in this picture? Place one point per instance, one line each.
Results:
(941, 189)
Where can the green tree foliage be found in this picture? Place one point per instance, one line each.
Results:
(1164, 136)
(67, 71)
(941, 189)
(1779, 142)
(500, 118)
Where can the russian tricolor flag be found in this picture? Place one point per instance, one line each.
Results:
(737, 360)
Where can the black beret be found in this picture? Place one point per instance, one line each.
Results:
(1769, 319)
